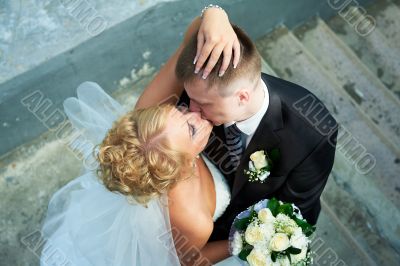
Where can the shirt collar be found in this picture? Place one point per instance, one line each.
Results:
(250, 125)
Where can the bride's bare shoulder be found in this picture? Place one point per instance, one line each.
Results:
(188, 214)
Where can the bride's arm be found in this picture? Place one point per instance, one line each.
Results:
(215, 36)
(165, 84)
(216, 251)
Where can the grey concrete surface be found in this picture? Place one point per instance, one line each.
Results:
(31, 32)
(376, 101)
(377, 52)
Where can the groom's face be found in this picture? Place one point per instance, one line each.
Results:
(210, 104)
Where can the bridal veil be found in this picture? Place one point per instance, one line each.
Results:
(86, 224)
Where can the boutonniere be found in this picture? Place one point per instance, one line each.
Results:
(260, 166)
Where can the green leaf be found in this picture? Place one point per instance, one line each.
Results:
(275, 154)
(267, 168)
(253, 213)
(309, 231)
(293, 250)
(307, 228)
(241, 224)
(273, 205)
(274, 255)
(245, 252)
(290, 259)
(270, 164)
(286, 208)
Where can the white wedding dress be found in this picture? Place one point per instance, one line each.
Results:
(88, 225)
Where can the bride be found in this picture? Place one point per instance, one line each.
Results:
(153, 197)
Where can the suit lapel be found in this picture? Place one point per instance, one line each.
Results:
(264, 138)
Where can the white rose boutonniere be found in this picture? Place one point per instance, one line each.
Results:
(259, 167)
(259, 159)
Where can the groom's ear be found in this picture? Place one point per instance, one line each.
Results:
(243, 96)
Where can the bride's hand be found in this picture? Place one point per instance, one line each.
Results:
(216, 36)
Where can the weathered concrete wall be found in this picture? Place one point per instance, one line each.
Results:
(108, 56)
(32, 32)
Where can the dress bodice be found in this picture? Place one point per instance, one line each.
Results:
(222, 190)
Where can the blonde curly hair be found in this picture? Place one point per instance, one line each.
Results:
(136, 158)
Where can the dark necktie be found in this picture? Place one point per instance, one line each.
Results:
(234, 143)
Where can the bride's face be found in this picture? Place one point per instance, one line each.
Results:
(187, 131)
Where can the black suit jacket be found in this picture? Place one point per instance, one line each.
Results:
(302, 129)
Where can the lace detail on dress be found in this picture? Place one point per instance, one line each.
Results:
(222, 190)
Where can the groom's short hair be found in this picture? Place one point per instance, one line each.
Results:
(249, 65)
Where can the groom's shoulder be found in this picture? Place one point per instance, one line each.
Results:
(287, 90)
(301, 108)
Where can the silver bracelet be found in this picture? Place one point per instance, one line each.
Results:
(210, 6)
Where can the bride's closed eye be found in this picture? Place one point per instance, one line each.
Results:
(192, 130)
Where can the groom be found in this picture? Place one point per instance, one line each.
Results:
(252, 111)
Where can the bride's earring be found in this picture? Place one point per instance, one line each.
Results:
(194, 163)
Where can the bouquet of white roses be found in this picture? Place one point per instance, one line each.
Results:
(271, 233)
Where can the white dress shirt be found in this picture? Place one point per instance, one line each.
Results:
(249, 126)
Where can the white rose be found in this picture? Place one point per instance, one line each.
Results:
(298, 231)
(279, 242)
(267, 231)
(266, 216)
(299, 240)
(254, 234)
(257, 258)
(259, 159)
(299, 257)
(237, 243)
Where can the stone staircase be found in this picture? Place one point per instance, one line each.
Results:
(360, 211)
(358, 79)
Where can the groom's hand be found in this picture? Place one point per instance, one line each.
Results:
(216, 36)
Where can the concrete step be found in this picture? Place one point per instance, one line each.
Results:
(265, 67)
(356, 216)
(374, 50)
(292, 61)
(387, 15)
(331, 246)
(351, 74)
(360, 197)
